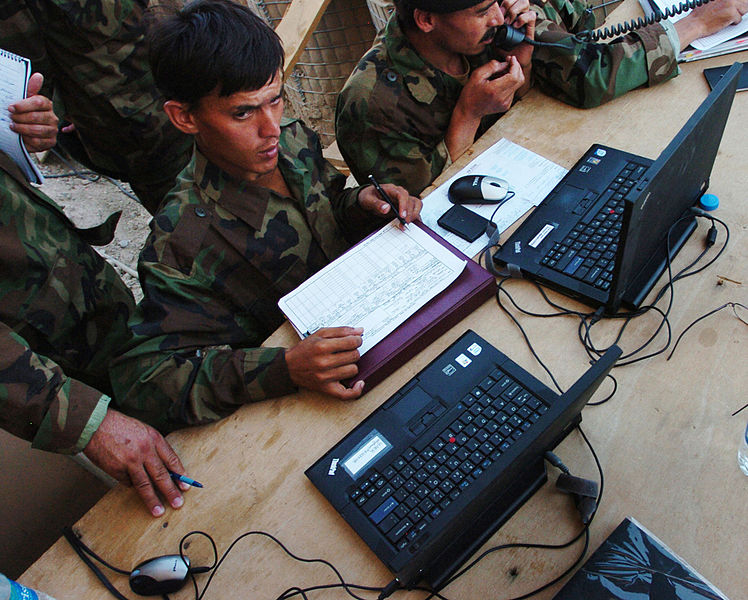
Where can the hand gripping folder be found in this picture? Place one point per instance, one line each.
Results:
(471, 288)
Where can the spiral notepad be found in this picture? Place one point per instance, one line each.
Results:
(15, 71)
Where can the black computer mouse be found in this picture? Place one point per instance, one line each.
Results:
(478, 189)
(160, 575)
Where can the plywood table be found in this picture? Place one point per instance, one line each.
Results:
(666, 441)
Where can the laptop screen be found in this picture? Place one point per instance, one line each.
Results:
(666, 192)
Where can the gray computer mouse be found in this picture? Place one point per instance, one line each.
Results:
(160, 575)
(478, 189)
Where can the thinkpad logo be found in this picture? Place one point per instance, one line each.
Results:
(333, 466)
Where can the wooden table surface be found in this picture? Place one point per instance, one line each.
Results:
(666, 440)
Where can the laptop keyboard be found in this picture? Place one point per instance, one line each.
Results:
(588, 252)
(404, 497)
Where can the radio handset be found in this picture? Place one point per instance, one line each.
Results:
(507, 38)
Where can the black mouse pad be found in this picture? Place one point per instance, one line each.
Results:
(714, 74)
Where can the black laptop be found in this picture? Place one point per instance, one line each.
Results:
(431, 474)
(601, 235)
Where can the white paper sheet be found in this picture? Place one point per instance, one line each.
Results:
(14, 75)
(376, 285)
(708, 41)
(530, 176)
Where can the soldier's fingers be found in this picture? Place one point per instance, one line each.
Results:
(171, 459)
(142, 484)
(336, 359)
(40, 131)
(338, 390)
(337, 332)
(161, 478)
(35, 84)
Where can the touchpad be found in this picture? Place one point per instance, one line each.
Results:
(568, 197)
(411, 404)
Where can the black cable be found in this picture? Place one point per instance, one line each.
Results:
(702, 317)
(584, 532)
(588, 320)
(634, 24)
(79, 547)
(85, 174)
(291, 591)
(75, 541)
(609, 396)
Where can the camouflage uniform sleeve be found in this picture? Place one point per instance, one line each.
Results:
(40, 404)
(372, 141)
(175, 373)
(587, 74)
(354, 222)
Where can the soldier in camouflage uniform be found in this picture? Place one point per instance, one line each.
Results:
(395, 111)
(92, 54)
(63, 315)
(255, 213)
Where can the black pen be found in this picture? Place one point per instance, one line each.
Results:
(386, 198)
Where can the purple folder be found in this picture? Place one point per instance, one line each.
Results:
(466, 293)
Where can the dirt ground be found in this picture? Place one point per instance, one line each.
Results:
(89, 203)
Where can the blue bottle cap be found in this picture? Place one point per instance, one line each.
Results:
(709, 202)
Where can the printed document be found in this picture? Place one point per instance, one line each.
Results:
(376, 285)
(529, 175)
(14, 75)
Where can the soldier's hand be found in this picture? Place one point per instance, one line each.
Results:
(709, 18)
(138, 455)
(319, 362)
(525, 18)
(490, 89)
(409, 207)
(33, 118)
(512, 9)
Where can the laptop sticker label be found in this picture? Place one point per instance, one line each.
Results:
(449, 370)
(541, 235)
(333, 467)
(372, 447)
(463, 360)
(518, 247)
(474, 349)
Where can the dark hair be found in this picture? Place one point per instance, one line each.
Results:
(212, 45)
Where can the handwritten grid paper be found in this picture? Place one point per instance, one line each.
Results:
(376, 285)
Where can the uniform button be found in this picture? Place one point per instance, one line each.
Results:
(391, 76)
(200, 211)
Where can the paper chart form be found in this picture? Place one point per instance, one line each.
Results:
(376, 285)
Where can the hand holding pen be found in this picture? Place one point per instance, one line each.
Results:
(185, 479)
(405, 207)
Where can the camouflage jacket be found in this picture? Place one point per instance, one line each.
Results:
(220, 255)
(590, 74)
(63, 314)
(93, 58)
(394, 110)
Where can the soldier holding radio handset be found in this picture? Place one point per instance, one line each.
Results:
(435, 78)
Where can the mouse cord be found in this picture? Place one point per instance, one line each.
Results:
(83, 551)
(290, 592)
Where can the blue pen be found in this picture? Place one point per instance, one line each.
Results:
(185, 479)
